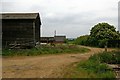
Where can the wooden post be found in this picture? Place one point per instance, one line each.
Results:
(106, 47)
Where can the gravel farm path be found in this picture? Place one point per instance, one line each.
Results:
(44, 66)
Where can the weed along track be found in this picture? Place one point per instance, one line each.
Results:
(44, 66)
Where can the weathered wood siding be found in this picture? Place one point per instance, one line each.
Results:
(37, 29)
(17, 30)
(20, 31)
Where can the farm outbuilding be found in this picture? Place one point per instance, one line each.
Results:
(59, 39)
(20, 29)
(47, 39)
(55, 39)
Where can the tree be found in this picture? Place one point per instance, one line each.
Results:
(102, 32)
(82, 40)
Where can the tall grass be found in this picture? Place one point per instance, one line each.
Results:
(98, 70)
(107, 57)
(96, 66)
(46, 49)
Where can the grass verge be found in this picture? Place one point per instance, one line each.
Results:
(95, 67)
(46, 49)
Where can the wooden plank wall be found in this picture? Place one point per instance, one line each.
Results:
(17, 30)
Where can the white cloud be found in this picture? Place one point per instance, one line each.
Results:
(67, 16)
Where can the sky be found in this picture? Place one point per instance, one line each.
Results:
(72, 18)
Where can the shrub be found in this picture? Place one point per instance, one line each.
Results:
(82, 40)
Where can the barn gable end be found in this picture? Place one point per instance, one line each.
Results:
(20, 29)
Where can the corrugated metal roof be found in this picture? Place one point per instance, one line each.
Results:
(19, 15)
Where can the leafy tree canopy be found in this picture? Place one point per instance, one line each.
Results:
(103, 31)
(100, 36)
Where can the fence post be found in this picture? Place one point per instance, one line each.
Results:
(106, 46)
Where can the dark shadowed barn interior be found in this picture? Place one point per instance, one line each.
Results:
(47, 39)
(20, 29)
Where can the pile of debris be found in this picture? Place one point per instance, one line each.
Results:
(116, 68)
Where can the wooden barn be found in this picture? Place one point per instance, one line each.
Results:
(59, 39)
(55, 39)
(20, 30)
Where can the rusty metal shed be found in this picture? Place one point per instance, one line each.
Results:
(20, 29)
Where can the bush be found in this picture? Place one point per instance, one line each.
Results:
(82, 40)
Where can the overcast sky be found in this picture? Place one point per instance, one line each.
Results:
(72, 18)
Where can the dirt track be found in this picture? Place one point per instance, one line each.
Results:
(47, 66)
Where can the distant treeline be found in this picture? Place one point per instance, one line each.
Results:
(101, 35)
